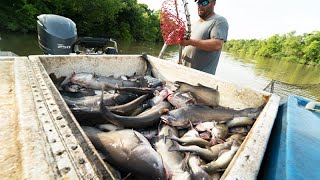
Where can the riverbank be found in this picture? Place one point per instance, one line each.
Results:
(244, 55)
(304, 49)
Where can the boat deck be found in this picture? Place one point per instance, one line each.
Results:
(10, 162)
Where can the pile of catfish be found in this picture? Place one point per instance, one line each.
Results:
(145, 128)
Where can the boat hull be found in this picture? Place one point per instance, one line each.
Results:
(293, 150)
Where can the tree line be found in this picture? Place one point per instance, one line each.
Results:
(291, 47)
(120, 19)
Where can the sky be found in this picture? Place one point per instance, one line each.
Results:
(256, 19)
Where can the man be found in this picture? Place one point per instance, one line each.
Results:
(208, 34)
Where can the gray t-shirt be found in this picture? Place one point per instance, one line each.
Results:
(215, 27)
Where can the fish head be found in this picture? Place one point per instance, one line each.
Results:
(155, 168)
(171, 120)
(182, 86)
(81, 78)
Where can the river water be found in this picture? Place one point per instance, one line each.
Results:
(251, 72)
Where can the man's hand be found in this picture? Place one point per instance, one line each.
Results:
(185, 42)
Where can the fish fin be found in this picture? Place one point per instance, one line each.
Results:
(139, 139)
(191, 125)
(72, 75)
(220, 141)
(177, 83)
(162, 137)
(127, 176)
(159, 126)
(174, 146)
(170, 136)
(220, 170)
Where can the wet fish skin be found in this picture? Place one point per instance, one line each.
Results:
(239, 129)
(149, 81)
(219, 132)
(240, 121)
(178, 100)
(90, 80)
(128, 108)
(197, 172)
(216, 176)
(189, 140)
(128, 150)
(205, 126)
(108, 127)
(216, 149)
(70, 87)
(172, 159)
(238, 137)
(146, 119)
(222, 162)
(202, 94)
(202, 152)
(196, 114)
(88, 103)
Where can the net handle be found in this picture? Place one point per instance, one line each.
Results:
(186, 9)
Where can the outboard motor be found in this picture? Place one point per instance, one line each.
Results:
(56, 34)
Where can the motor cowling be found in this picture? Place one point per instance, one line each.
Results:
(56, 34)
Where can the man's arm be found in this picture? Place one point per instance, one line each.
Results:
(207, 45)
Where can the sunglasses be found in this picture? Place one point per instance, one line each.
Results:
(203, 3)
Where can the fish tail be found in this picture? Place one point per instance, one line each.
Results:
(174, 147)
(184, 163)
(171, 136)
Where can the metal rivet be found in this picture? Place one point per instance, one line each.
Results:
(81, 161)
(63, 126)
(50, 130)
(59, 118)
(60, 153)
(65, 170)
(74, 147)
(68, 135)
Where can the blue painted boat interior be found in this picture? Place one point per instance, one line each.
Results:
(293, 150)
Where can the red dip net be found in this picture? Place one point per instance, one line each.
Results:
(173, 21)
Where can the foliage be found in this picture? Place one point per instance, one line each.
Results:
(123, 19)
(290, 47)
